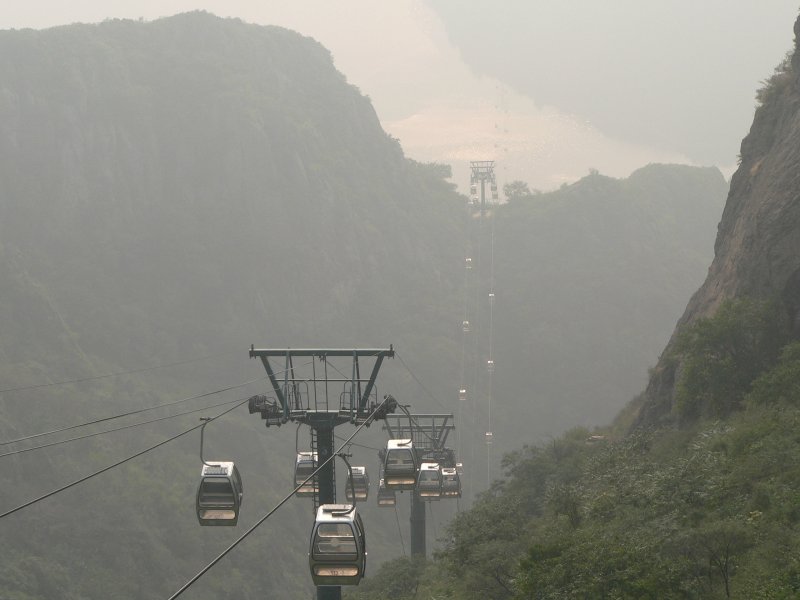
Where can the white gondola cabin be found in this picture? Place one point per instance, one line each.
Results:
(338, 554)
(400, 465)
(429, 481)
(304, 466)
(451, 483)
(219, 495)
(386, 497)
(359, 481)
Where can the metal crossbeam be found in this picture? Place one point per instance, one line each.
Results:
(428, 432)
(299, 397)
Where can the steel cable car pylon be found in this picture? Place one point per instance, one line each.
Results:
(306, 400)
(427, 435)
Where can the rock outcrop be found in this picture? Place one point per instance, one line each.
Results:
(757, 251)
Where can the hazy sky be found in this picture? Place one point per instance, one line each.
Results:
(548, 88)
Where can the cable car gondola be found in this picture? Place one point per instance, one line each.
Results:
(338, 554)
(304, 466)
(386, 497)
(358, 480)
(219, 495)
(400, 465)
(451, 483)
(429, 481)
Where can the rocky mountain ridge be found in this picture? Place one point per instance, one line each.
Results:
(757, 250)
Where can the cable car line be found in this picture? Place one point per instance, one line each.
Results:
(114, 374)
(134, 412)
(89, 435)
(468, 277)
(482, 172)
(477, 227)
(411, 419)
(426, 390)
(222, 555)
(116, 464)
(339, 371)
(488, 435)
(352, 444)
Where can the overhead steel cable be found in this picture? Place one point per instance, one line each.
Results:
(426, 390)
(134, 412)
(222, 555)
(116, 464)
(411, 419)
(97, 433)
(115, 374)
(490, 362)
(340, 439)
(479, 410)
(465, 328)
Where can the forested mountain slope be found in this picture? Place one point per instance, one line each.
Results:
(178, 190)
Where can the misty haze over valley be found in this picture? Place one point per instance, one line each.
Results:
(545, 215)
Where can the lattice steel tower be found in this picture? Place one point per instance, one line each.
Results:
(482, 171)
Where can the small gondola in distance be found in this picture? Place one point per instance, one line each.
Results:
(429, 481)
(305, 464)
(358, 480)
(400, 465)
(386, 497)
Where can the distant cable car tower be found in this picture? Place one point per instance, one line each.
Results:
(481, 173)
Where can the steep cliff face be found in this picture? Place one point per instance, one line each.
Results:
(757, 251)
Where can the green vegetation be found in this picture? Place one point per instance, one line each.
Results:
(517, 190)
(708, 510)
(782, 383)
(721, 356)
(777, 82)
